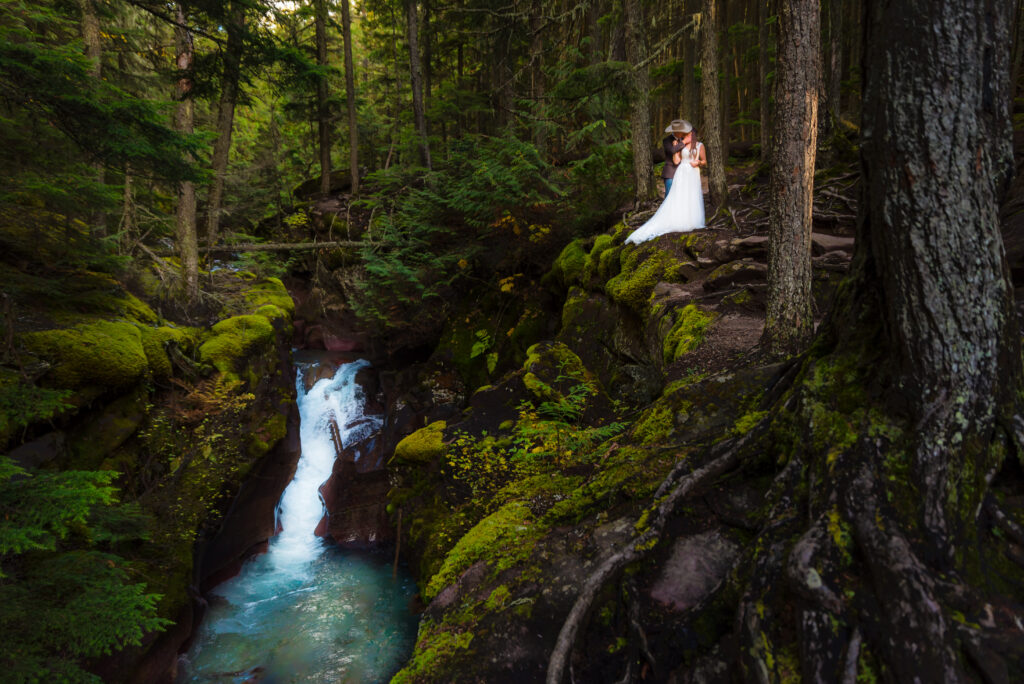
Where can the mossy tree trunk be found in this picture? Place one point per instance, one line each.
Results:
(188, 245)
(908, 399)
(640, 108)
(882, 553)
(789, 320)
(711, 100)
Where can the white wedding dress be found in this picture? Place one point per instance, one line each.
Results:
(683, 207)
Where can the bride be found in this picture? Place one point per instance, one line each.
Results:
(683, 207)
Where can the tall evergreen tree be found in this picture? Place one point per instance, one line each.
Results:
(789, 320)
(185, 225)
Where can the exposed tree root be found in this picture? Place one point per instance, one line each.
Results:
(725, 456)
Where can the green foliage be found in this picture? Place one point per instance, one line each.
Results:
(61, 598)
(426, 238)
(545, 438)
(22, 404)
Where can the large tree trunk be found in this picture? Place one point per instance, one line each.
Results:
(877, 556)
(789, 321)
(416, 75)
(711, 99)
(350, 98)
(229, 84)
(185, 220)
(323, 114)
(640, 108)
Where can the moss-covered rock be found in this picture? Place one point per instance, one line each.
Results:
(506, 537)
(271, 291)
(687, 332)
(569, 265)
(643, 267)
(108, 354)
(422, 446)
(230, 341)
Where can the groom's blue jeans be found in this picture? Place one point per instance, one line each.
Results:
(668, 185)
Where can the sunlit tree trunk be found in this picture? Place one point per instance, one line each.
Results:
(185, 220)
(789, 321)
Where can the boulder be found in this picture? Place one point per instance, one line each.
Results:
(697, 566)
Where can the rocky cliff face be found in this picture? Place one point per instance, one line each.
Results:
(185, 415)
(512, 486)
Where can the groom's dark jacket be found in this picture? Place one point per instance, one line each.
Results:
(671, 145)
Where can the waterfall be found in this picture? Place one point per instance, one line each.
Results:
(305, 611)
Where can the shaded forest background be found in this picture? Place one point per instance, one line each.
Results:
(157, 143)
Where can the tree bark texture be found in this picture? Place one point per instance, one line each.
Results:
(789, 319)
(416, 75)
(91, 36)
(945, 294)
(881, 553)
(640, 107)
(711, 99)
(323, 114)
(350, 97)
(229, 86)
(185, 220)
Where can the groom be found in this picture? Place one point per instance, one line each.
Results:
(672, 144)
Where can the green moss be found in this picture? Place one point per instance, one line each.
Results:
(267, 435)
(154, 342)
(497, 598)
(422, 446)
(273, 313)
(551, 360)
(104, 353)
(686, 333)
(271, 291)
(569, 264)
(230, 341)
(503, 539)
(601, 260)
(434, 647)
(635, 283)
(655, 425)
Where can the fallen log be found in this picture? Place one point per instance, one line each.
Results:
(274, 247)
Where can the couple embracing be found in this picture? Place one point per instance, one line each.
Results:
(683, 207)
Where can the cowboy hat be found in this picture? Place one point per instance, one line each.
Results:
(679, 126)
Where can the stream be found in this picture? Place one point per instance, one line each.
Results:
(308, 611)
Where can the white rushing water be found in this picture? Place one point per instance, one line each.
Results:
(305, 611)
